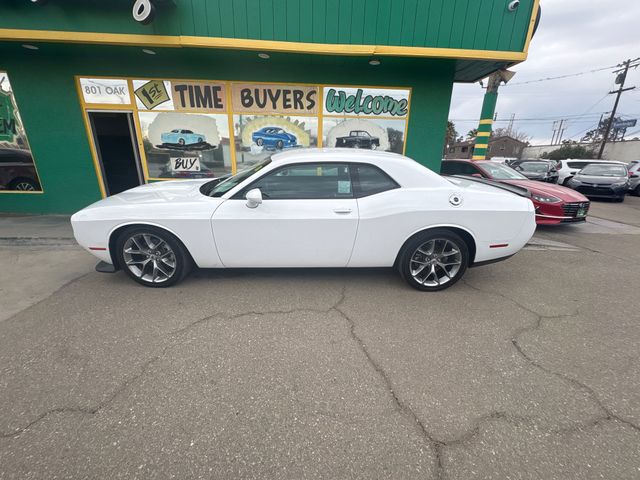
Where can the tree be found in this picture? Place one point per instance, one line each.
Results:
(597, 134)
(569, 150)
(513, 133)
(472, 133)
(452, 133)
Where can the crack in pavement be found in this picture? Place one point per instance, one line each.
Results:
(608, 415)
(435, 445)
(146, 365)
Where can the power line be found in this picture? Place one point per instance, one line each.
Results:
(569, 75)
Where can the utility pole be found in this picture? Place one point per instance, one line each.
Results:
(487, 116)
(561, 131)
(510, 127)
(620, 80)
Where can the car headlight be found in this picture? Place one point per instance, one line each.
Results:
(619, 184)
(545, 198)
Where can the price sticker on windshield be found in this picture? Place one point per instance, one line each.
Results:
(185, 164)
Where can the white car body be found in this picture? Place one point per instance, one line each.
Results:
(570, 167)
(341, 232)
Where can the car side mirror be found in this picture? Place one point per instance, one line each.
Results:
(254, 198)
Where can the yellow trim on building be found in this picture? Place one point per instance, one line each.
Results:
(532, 24)
(487, 121)
(483, 134)
(481, 145)
(174, 41)
(478, 157)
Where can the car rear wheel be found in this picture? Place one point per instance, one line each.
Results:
(434, 260)
(373, 146)
(279, 144)
(260, 142)
(636, 192)
(181, 141)
(152, 257)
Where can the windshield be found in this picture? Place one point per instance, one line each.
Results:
(216, 188)
(502, 172)
(604, 171)
(536, 167)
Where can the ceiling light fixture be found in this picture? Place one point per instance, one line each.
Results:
(28, 46)
(148, 52)
(264, 55)
(374, 62)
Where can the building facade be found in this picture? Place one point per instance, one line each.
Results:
(503, 146)
(95, 100)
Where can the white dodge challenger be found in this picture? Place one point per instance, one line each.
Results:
(309, 208)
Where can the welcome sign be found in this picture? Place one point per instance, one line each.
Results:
(376, 102)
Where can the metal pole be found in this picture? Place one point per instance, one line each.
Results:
(615, 107)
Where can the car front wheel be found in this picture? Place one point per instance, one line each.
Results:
(434, 260)
(152, 257)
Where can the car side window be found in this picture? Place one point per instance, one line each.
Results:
(369, 180)
(306, 181)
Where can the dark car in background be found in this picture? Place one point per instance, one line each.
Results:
(358, 139)
(599, 180)
(542, 170)
(554, 204)
(17, 171)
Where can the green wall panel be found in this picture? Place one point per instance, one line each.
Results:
(43, 83)
(422, 23)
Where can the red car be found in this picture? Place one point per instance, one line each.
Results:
(554, 203)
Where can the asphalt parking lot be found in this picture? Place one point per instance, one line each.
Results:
(527, 369)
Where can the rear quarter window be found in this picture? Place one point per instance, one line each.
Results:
(369, 180)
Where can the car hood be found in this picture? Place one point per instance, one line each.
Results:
(533, 174)
(164, 192)
(600, 180)
(563, 193)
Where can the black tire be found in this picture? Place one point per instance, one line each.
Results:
(619, 199)
(409, 256)
(200, 139)
(279, 144)
(183, 261)
(636, 192)
(181, 141)
(260, 142)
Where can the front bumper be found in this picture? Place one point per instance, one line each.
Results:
(601, 192)
(569, 212)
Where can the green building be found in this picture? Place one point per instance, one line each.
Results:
(97, 97)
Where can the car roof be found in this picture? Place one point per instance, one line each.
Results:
(336, 154)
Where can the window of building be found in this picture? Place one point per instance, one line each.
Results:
(465, 149)
(17, 169)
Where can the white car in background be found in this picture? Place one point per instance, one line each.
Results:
(568, 168)
(310, 208)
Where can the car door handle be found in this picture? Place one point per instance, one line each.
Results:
(342, 211)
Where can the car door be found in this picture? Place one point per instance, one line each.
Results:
(308, 218)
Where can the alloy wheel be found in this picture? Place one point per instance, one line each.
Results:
(435, 262)
(25, 187)
(149, 258)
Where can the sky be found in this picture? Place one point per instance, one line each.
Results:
(574, 36)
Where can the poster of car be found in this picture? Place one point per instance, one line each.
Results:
(258, 136)
(367, 133)
(17, 169)
(185, 145)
